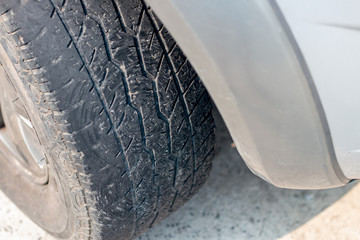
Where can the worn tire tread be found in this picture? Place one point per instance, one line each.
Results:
(127, 113)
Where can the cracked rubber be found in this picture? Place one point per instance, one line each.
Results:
(128, 123)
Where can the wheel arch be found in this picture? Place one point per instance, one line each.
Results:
(251, 68)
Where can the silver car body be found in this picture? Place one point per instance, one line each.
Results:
(284, 76)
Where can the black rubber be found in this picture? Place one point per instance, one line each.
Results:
(129, 123)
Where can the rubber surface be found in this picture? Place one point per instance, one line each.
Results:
(131, 124)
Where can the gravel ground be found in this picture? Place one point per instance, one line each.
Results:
(235, 204)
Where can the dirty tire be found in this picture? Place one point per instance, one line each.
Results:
(128, 124)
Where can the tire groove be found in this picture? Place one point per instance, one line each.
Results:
(106, 111)
(155, 93)
(181, 97)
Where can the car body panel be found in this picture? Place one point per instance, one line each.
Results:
(328, 34)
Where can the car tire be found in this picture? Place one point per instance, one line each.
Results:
(121, 121)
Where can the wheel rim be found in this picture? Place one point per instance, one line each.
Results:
(25, 174)
(19, 137)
